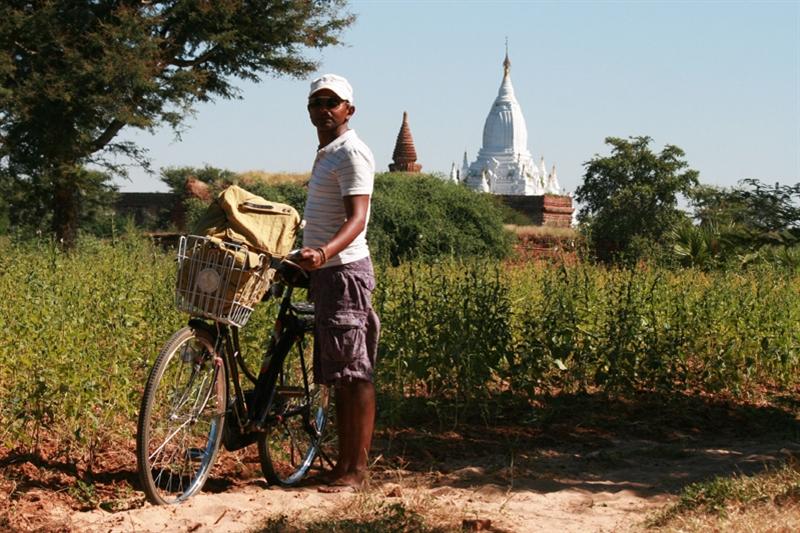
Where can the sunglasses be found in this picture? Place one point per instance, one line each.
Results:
(328, 102)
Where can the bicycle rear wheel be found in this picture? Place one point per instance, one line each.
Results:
(181, 417)
(288, 449)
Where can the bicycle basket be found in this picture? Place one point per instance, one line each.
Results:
(220, 280)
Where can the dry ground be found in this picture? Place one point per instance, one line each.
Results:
(571, 463)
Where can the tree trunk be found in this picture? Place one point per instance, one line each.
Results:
(65, 206)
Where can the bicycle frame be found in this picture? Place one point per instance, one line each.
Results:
(195, 401)
(252, 415)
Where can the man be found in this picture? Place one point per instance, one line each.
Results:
(335, 252)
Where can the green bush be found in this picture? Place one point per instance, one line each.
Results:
(418, 217)
(423, 217)
(175, 177)
(5, 223)
(510, 215)
(285, 193)
(623, 329)
(78, 332)
(412, 217)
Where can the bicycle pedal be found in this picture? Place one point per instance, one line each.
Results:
(290, 392)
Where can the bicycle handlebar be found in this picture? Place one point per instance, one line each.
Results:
(290, 272)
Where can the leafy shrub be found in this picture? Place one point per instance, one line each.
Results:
(413, 217)
(423, 217)
(290, 192)
(447, 328)
(511, 215)
(417, 217)
(78, 332)
(624, 329)
(175, 177)
(632, 193)
(5, 222)
(194, 208)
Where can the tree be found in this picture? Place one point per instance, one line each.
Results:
(752, 205)
(629, 200)
(76, 72)
(754, 221)
(92, 188)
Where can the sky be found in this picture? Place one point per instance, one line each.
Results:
(719, 79)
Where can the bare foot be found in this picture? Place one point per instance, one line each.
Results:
(330, 477)
(350, 479)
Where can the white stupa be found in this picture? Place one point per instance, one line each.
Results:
(504, 164)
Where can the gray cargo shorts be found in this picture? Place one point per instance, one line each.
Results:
(346, 326)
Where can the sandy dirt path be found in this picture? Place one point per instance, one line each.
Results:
(568, 510)
(551, 490)
(579, 463)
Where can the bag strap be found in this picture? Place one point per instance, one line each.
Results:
(263, 208)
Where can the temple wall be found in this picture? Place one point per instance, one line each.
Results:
(543, 210)
(151, 207)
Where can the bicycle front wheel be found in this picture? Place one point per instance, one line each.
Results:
(287, 451)
(181, 417)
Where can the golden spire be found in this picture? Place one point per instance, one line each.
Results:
(506, 62)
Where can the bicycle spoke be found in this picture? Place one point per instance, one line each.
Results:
(180, 435)
(168, 439)
(291, 448)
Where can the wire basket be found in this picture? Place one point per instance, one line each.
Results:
(220, 280)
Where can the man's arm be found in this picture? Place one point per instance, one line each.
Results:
(356, 208)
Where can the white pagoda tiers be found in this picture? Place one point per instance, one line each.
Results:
(504, 165)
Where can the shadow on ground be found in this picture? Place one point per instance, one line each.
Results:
(647, 443)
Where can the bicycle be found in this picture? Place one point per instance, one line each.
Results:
(194, 400)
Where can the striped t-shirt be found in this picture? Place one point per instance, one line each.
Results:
(344, 167)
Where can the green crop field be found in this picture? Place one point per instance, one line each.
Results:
(79, 330)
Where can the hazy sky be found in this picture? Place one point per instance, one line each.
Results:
(719, 79)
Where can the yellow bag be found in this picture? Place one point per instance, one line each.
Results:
(224, 281)
(241, 217)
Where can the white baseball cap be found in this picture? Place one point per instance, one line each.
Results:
(340, 86)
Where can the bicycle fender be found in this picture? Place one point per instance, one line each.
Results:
(199, 324)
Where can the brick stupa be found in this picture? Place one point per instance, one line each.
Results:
(405, 155)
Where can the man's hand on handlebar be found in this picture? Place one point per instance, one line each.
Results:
(309, 258)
